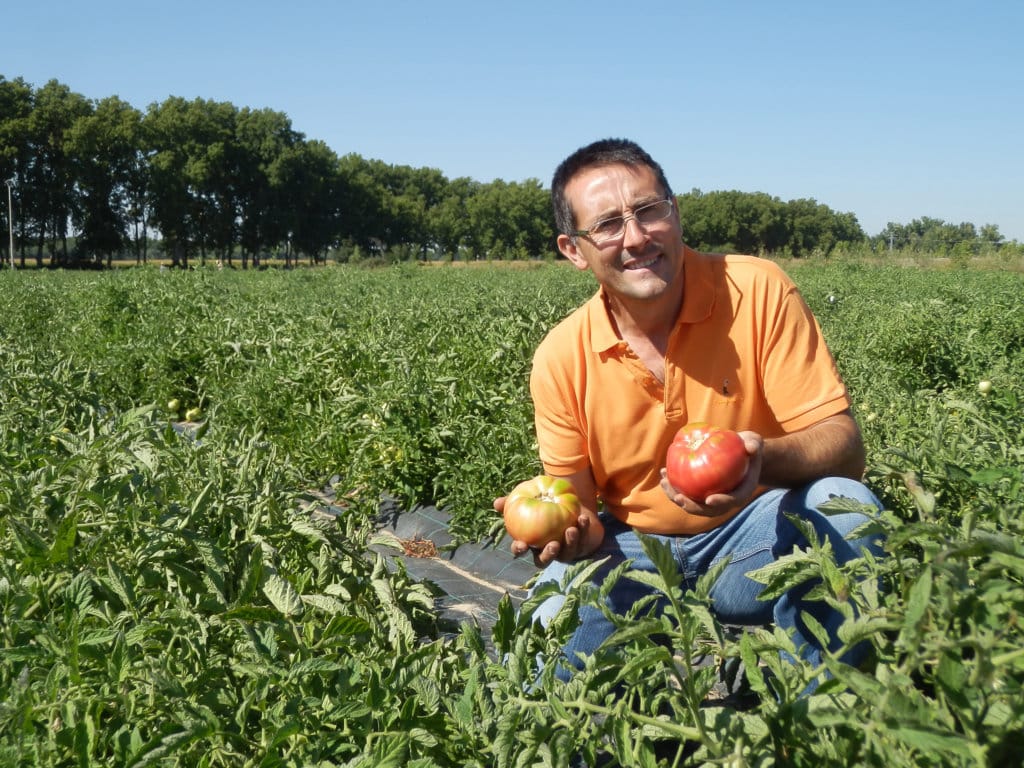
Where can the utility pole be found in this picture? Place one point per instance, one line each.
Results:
(10, 217)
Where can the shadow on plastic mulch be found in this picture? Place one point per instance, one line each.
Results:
(469, 580)
(472, 577)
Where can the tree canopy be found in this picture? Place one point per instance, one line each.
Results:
(101, 179)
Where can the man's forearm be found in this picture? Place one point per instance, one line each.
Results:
(831, 448)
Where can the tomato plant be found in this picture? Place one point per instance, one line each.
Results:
(539, 510)
(404, 384)
(705, 460)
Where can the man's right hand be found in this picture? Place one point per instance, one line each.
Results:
(580, 540)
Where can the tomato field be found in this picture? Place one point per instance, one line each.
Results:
(169, 599)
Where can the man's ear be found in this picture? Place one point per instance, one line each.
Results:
(569, 248)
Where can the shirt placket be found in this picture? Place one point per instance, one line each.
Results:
(675, 382)
(640, 373)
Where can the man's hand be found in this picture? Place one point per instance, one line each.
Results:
(720, 503)
(580, 540)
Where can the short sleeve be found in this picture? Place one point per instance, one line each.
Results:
(800, 378)
(561, 439)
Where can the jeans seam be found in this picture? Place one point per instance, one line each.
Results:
(734, 557)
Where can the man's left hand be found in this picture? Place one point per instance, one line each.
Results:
(718, 504)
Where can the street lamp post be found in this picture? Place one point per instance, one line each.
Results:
(10, 217)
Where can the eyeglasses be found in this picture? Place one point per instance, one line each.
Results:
(613, 228)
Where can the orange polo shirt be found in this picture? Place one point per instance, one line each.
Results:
(746, 354)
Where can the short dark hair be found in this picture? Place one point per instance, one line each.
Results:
(602, 152)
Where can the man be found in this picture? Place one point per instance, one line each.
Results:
(675, 336)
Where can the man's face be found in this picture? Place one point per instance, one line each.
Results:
(644, 261)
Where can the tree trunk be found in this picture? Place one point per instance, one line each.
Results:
(39, 250)
(145, 238)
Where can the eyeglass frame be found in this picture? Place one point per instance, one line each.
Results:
(625, 219)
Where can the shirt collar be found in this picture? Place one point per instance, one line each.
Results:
(698, 301)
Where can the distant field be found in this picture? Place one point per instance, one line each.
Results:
(1008, 259)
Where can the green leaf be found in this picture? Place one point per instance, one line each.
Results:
(99, 637)
(390, 752)
(400, 631)
(839, 505)
(1012, 563)
(202, 501)
(306, 527)
(252, 576)
(933, 742)
(64, 541)
(918, 599)
(163, 747)
(119, 583)
(991, 476)
(215, 567)
(622, 743)
(386, 539)
(660, 553)
(24, 653)
(117, 659)
(282, 595)
(503, 747)
(464, 709)
(711, 626)
(283, 734)
(652, 579)
(504, 630)
(656, 657)
(817, 630)
(347, 626)
(581, 574)
(325, 603)
(252, 613)
(558, 709)
(315, 666)
(78, 591)
(748, 654)
(782, 575)
(85, 740)
(864, 627)
(30, 542)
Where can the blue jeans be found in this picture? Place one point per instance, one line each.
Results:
(757, 536)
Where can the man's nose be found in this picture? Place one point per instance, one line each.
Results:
(633, 232)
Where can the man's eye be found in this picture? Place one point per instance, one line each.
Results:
(652, 212)
(607, 226)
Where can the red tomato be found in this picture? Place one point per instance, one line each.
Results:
(539, 510)
(705, 460)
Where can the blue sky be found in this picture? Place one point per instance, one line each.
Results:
(889, 109)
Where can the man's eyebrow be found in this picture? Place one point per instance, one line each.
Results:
(642, 201)
(614, 213)
(611, 213)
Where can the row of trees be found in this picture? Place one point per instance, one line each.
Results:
(96, 180)
(215, 181)
(928, 234)
(744, 222)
